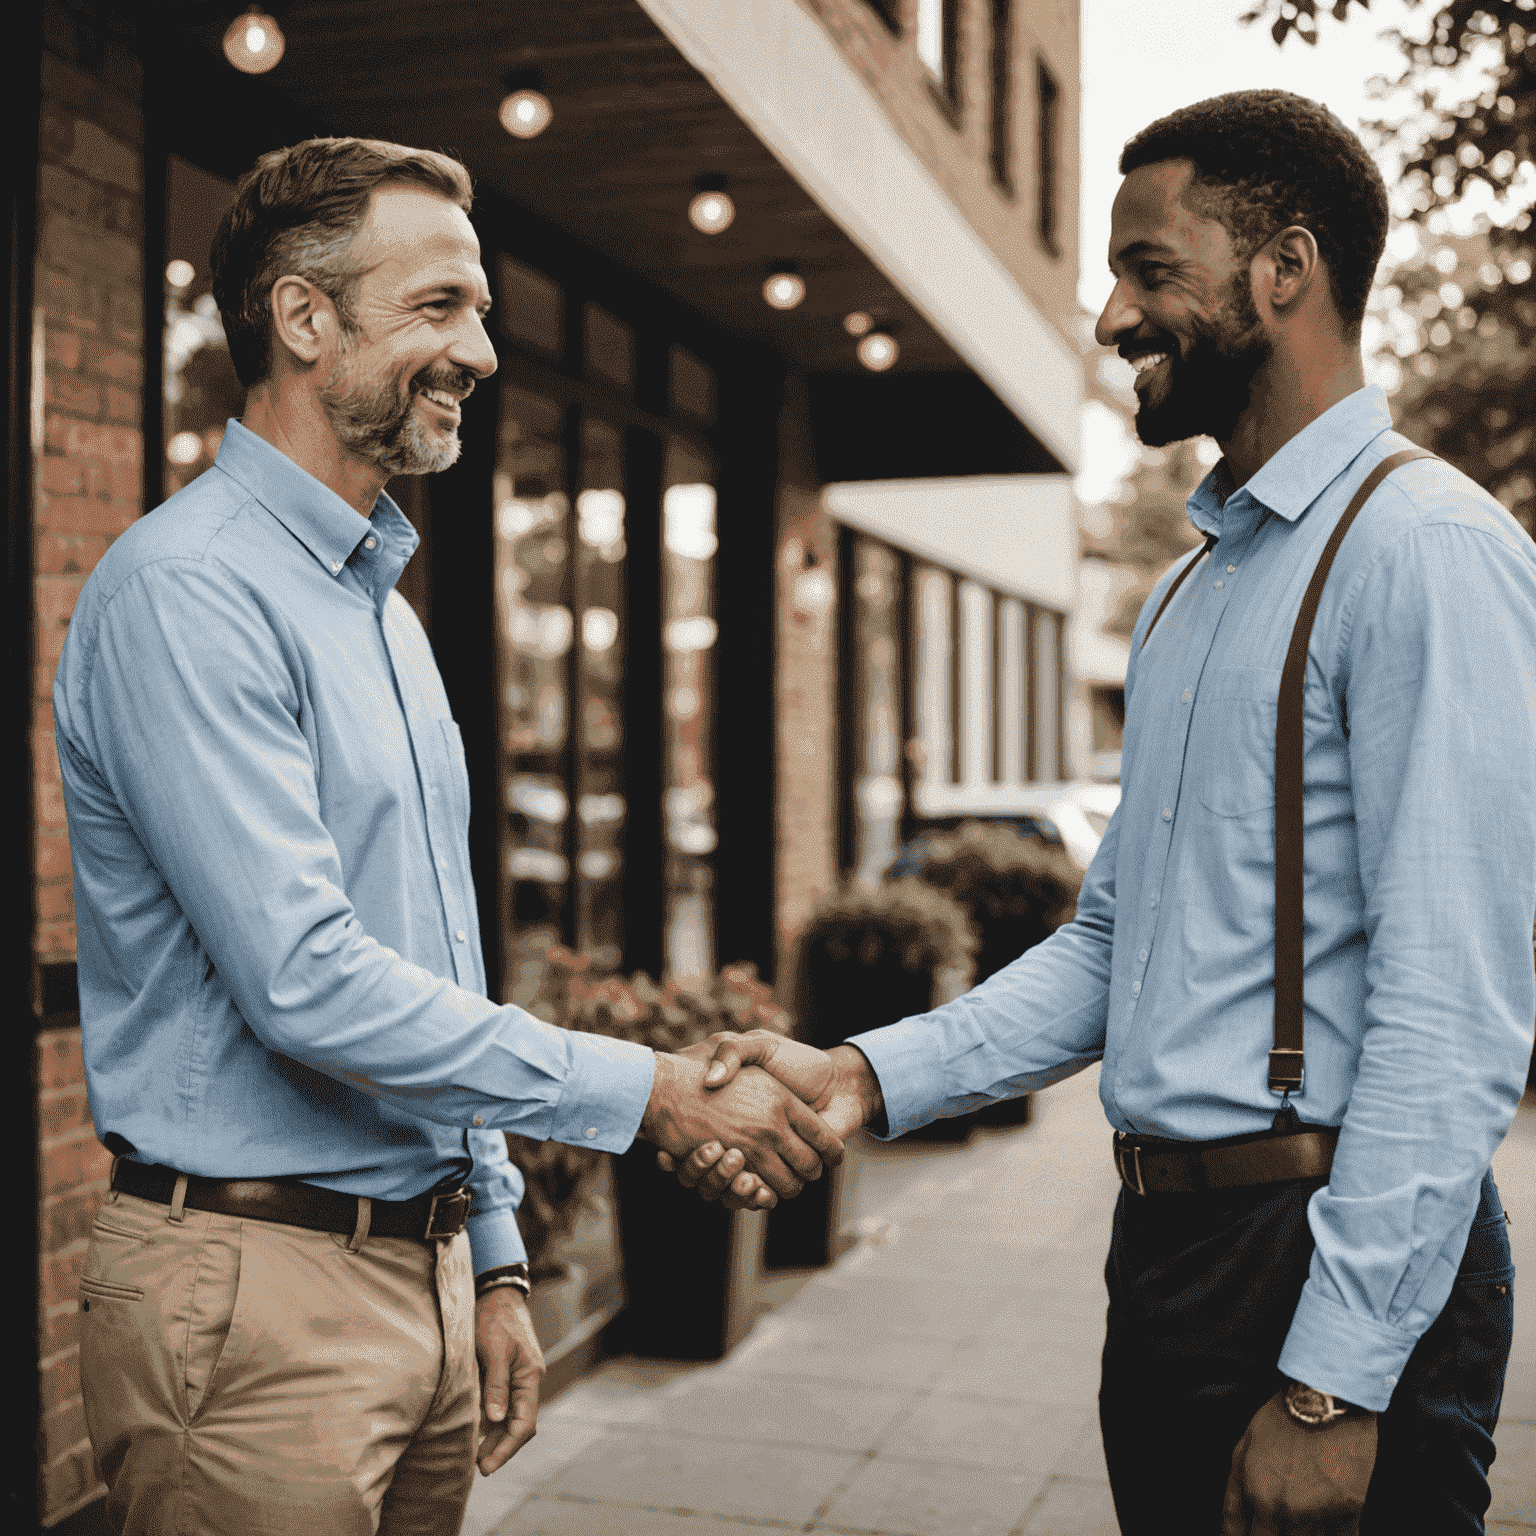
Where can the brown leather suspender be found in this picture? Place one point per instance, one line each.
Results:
(1178, 581)
(1287, 1065)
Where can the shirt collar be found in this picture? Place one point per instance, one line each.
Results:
(1304, 468)
(313, 513)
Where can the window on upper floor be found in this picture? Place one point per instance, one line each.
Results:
(1048, 178)
(938, 46)
(1001, 146)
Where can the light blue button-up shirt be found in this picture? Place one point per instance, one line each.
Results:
(280, 970)
(1420, 814)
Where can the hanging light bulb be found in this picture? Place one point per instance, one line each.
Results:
(878, 351)
(857, 323)
(254, 42)
(525, 111)
(784, 287)
(711, 209)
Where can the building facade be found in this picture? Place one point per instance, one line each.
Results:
(723, 610)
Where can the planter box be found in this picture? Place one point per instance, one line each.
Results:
(691, 1267)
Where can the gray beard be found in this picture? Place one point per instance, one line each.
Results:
(381, 428)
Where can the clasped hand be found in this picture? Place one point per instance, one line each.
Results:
(838, 1089)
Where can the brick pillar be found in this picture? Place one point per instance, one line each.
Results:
(805, 685)
(89, 285)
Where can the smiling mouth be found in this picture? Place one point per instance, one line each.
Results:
(1146, 365)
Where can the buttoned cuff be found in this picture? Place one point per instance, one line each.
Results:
(494, 1240)
(903, 1056)
(1343, 1353)
(605, 1095)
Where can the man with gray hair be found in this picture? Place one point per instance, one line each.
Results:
(287, 1040)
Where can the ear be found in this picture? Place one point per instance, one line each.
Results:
(303, 320)
(1285, 270)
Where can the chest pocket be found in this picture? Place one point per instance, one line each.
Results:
(1232, 750)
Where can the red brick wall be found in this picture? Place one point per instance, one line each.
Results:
(805, 686)
(89, 481)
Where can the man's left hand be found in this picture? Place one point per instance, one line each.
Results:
(1290, 1479)
(511, 1368)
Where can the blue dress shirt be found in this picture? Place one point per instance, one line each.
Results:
(1420, 816)
(280, 971)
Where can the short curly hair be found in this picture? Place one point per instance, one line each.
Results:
(297, 211)
(1267, 159)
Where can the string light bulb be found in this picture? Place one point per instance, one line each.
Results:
(857, 323)
(878, 351)
(525, 110)
(254, 42)
(784, 287)
(711, 210)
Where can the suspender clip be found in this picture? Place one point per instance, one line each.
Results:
(1287, 1070)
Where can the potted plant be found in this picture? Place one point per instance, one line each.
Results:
(682, 1257)
(1015, 891)
(867, 958)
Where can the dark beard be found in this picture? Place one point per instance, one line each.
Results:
(380, 425)
(1210, 388)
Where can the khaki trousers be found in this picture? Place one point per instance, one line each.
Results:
(245, 1378)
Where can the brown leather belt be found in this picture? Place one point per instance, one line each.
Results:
(1163, 1168)
(294, 1204)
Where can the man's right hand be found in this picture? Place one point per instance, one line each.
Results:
(840, 1085)
(783, 1141)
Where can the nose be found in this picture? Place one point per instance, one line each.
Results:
(472, 347)
(1119, 315)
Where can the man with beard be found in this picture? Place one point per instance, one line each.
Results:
(1309, 1276)
(310, 1233)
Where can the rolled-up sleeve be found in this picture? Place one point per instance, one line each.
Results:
(1438, 669)
(193, 730)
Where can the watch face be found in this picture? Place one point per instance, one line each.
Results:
(1309, 1405)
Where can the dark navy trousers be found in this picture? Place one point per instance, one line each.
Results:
(1202, 1288)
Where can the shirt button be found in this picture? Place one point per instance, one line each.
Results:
(335, 566)
(370, 542)
(591, 1133)
(1142, 955)
(460, 935)
(1167, 813)
(1230, 569)
(1390, 1381)
(1152, 902)
(1220, 585)
(478, 1120)
(1185, 696)
(1135, 989)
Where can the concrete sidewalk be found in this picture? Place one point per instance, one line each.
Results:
(940, 1378)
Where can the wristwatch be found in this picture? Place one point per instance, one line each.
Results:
(1313, 1408)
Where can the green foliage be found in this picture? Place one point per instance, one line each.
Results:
(907, 921)
(1473, 373)
(665, 1017)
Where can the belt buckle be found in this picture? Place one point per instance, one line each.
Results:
(1130, 1153)
(451, 1210)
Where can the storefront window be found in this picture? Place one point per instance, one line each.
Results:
(201, 391)
(688, 638)
(877, 790)
(601, 807)
(535, 633)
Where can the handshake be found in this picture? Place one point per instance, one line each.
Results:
(750, 1118)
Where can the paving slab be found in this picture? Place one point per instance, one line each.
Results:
(931, 1498)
